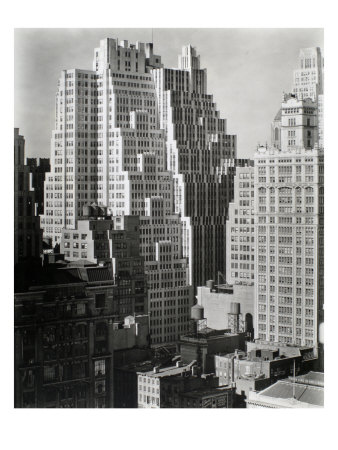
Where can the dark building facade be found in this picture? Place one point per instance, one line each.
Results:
(182, 386)
(38, 171)
(202, 346)
(27, 232)
(217, 397)
(66, 331)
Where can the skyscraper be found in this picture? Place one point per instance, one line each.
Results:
(199, 151)
(148, 141)
(289, 226)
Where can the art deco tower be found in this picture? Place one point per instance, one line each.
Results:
(201, 155)
(108, 148)
(147, 141)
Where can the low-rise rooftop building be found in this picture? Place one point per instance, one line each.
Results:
(305, 391)
(216, 397)
(182, 386)
(256, 369)
(202, 345)
(149, 383)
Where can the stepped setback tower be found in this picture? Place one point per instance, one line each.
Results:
(200, 154)
(143, 140)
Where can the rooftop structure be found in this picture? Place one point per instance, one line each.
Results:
(228, 306)
(308, 78)
(201, 346)
(306, 391)
(216, 397)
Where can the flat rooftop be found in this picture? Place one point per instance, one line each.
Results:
(207, 392)
(208, 334)
(311, 378)
(145, 366)
(167, 371)
(295, 392)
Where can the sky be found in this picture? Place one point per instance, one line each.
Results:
(248, 71)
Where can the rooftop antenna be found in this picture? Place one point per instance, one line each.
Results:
(152, 36)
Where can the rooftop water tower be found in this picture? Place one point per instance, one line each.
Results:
(197, 317)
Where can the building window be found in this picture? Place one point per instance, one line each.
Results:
(80, 308)
(100, 300)
(100, 367)
(49, 373)
(100, 387)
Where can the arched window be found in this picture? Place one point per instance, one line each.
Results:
(276, 134)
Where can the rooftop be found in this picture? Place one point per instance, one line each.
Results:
(68, 273)
(168, 371)
(144, 366)
(207, 392)
(208, 334)
(293, 392)
(311, 378)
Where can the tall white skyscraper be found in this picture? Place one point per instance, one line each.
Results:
(148, 141)
(289, 227)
